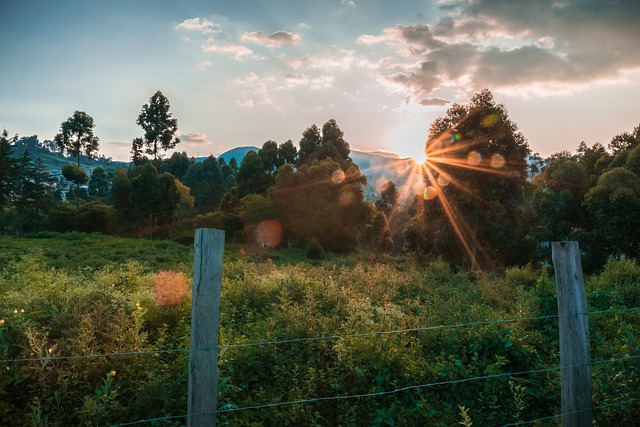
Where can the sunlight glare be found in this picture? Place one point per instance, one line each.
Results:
(408, 140)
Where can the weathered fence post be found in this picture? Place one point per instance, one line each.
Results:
(205, 314)
(573, 321)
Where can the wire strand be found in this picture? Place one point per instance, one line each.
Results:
(381, 393)
(321, 338)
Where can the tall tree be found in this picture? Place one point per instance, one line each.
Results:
(31, 190)
(206, 183)
(287, 153)
(76, 136)
(476, 166)
(388, 198)
(99, 182)
(614, 207)
(6, 168)
(159, 127)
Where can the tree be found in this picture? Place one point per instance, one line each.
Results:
(557, 198)
(323, 202)
(251, 177)
(6, 168)
(31, 190)
(159, 127)
(121, 195)
(99, 183)
(78, 176)
(388, 198)
(206, 183)
(614, 207)
(476, 169)
(287, 153)
(269, 157)
(178, 164)
(625, 140)
(76, 136)
(330, 143)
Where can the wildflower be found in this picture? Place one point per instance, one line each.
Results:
(50, 350)
(112, 373)
(15, 311)
(1, 322)
(22, 311)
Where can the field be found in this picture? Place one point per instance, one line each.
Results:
(95, 331)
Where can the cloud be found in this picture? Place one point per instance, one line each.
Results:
(235, 51)
(340, 59)
(434, 102)
(198, 24)
(540, 46)
(350, 3)
(274, 40)
(301, 80)
(205, 64)
(194, 139)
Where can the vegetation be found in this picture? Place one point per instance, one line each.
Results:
(104, 269)
(62, 310)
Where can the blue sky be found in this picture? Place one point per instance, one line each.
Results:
(241, 73)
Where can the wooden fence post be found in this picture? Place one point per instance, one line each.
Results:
(205, 314)
(573, 322)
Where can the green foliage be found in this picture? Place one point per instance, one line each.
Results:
(485, 206)
(314, 250)
(159, 127)
(76, 136)
(52, 304)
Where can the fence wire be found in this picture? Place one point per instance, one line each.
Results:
(321, 338)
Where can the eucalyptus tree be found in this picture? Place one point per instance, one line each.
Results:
(159, 127)
(76, 136)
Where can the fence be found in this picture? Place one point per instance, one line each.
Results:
(211, 347)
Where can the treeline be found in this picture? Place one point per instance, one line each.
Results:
(488, 202)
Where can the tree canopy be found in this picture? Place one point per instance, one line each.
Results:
(159, 127)
(76, 136)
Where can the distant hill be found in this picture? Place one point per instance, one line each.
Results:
(237, 152)
(54, 160)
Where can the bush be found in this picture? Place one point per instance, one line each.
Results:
(314, 250)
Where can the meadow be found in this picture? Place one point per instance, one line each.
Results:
(94, 330)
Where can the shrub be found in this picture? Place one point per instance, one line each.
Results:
(314, 250)
(169, 287)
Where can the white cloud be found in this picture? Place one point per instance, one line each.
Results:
(274, 40)
(194, 139)
(341, 59)
(205, 64)
(235, 51)
(198, 24)
(295, 80)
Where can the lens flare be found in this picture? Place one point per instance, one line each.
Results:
(337, 177)
(345, 198)
(474, 158)
(430, 193)
(455, 137)
(169, 287)
(443, 180)
(269, 233)
(497, 161)
(490, 120)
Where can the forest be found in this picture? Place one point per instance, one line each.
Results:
(435, 307)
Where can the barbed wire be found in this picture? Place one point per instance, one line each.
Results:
(380, 393)
(320, 338)
(551, 417)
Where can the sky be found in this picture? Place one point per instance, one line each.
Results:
(242, 72)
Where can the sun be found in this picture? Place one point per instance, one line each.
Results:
(408, 141)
